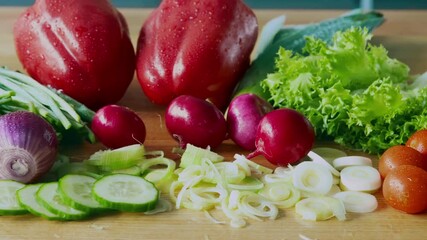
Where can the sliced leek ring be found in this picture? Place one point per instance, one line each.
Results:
(342, 162)
(320, 208)
(329, 154)
(318, 159)
(360, 178)
(255, 167)
(357, 202)
(283, 194)
(312, 177)
(247, 184)
(254, 206)
(314, 209)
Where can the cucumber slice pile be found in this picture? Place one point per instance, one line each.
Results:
(48, 196)
(76, 191)
(27, 199)
(76, 197)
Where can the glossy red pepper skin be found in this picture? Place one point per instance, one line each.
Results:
(80, 47)
(199, 48)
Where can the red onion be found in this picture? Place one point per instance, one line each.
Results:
(28, 146)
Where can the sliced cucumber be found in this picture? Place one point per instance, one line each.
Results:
(126, 193)
(49, 197)
(9, 204)
(27, 199)
(76, 191)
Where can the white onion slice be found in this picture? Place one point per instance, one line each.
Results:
(357, 202)
(360, 178)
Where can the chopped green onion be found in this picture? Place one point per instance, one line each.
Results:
(67, 116)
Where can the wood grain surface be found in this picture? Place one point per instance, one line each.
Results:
(405, 35)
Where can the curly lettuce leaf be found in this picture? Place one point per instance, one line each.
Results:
(273, 36)
(351, 91)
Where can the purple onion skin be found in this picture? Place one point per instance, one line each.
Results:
(195, 121)
(243, 116)
(28, 146)
(284, 136)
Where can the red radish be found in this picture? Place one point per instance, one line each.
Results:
(118, 126)
(244, 113)
(284, 136)
(195, 121)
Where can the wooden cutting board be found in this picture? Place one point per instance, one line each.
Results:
(404, 34)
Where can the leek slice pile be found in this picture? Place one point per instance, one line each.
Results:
(243, 189)
(205, 182)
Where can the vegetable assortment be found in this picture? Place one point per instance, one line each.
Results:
(241, 189)
(332, 84)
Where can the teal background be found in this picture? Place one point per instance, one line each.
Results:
(296, 4)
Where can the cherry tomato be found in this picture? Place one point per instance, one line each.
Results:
(405, 189)
(418, 141)
(400, 155)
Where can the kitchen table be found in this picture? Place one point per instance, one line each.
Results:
(405, 36)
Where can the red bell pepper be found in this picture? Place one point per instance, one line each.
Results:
(80, 47)
(199, 48)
